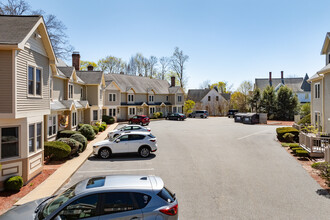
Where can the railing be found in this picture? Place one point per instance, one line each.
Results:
(314, 144)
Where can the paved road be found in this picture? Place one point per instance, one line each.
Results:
(223, 170)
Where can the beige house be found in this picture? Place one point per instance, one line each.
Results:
(127, 95)
(211, 100)
(320, 97)
(27, 61)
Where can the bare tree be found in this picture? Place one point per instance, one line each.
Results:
(146, 66)
(56, 28)
(152, 65)
(178, 65)
(205, 84)
(164, 64)
(139, 60)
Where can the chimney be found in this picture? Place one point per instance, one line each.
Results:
(90, 67)
(270, 79)
(282, 78)
(172, 81)
(76, 60)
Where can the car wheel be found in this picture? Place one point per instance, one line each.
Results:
(129, 122)
(178, 119)
(141, 123)
(104, 153)
(144, 152)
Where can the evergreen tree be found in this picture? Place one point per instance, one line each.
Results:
(286, 104)
(268, 102)
(255, 100)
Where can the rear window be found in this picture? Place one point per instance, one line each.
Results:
(141, 199)
(166, 195)
(95, 182)
(150, 135)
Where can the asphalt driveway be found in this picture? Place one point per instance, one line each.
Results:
(222, 170)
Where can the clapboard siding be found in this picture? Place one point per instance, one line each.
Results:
(25, 103)
(6, 84)
(36, 44)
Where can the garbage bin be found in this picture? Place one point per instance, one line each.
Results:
(239, 117)
(251, 118)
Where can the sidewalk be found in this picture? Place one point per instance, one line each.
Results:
(53, 183)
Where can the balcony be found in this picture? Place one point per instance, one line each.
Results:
(314, 144)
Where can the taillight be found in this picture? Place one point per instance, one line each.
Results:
(170, 210)
(153, 140)
(149, 129)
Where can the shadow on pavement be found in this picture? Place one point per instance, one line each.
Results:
(122, 157)
(323, 192)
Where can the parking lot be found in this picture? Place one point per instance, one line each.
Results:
(222, 170)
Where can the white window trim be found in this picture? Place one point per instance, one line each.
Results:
(113, 110)
(72, 120)
(151, 98)
(93, 115)
(51, 125)
(128, 99)
(180, 98)
(129, 111)
(317, 90)
(35, 67)
(35, 138)
(154, 110)
(69, 91)
(19, 143)
(112, 97)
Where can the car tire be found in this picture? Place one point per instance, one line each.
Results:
(104, 153)
(144, 152)
(129, 122)
(178, 119)
(202, 116)
(141, 123)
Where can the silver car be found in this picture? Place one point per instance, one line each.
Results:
(199, 114)
(104, 197)
(128, 128)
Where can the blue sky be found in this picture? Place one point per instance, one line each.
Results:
(226, 40)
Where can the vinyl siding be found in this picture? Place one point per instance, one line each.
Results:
(6, 83)
(24, 103)
(93, 95)
(77, 92)
(106, 98)
(326, 97)
(58, 89)
(36, 44)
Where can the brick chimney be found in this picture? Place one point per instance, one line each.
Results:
(282, 78)
(270, 79)
(172, 81)
(76, 60)
(90, 68)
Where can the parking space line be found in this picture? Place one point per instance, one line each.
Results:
(251, 135)
(104, 171)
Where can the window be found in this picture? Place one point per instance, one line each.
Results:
(112, 112)
(166, 195)
(34, 81)
(131, 98)
(124, 138)
(141, 199)
(167, 98)
(179, 98)
(31, 138)
(70, 91)
(174, 109)
(31, 80)
(132, 111)
(39, 136)
(82, 208)
(134, 137)
(329, 58)
(151, 98)
(317, 90)
(209, 98)
(94, 115)
(152, 110)
(9, 142)
(81, 92)
(52, 128)
(38, 81)
(217, 98)
(74, 119)
(104, 112)
(118, 202)
(112, 97)
(101, 93)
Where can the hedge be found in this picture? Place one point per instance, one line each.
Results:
(56, 149)
(291, 145)
(87, 131)
(302, 153)
(108, 119)
(75, 146)
(283, 130)
(14, 183)
(81, 138)
(295, 149)
(96, 129)
(320, 165)
(65, 134)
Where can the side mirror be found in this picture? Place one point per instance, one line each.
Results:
(58, 218)
(117, 140)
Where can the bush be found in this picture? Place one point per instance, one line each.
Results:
(100, 128)
(295, 149)
(96, 129)
(320, 165)
(65, 134)
(302, 153)
(108, 119)
(283, 130)
(81, 138)
(288, 137)
(56, 149)
(305, 120)
(75, 146)
(14, 183)
(156, 115)
(324, 167)
(87, 131)
(160, 114)
(291, 145)
(80, 125)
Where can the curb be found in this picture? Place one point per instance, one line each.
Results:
(55, 181)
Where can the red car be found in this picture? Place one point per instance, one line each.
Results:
(139, 119)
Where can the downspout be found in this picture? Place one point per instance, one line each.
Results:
(323, 110)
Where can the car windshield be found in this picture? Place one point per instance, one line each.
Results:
(56, 202)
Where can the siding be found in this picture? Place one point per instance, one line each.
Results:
(106, 97)
(93, 95)
(326, 97)
(36, 45)
(58, 89)
(25, 104)
(6, 84)
(77, 91)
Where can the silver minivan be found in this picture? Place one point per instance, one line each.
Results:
(104, 197)
(199, 114)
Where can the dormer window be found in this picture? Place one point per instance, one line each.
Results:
(70, 91)
(130, 98)
(151, 98)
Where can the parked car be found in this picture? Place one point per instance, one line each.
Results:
(176, 116)
(232, 112)
(128, 128)
(134, 142)
(104, 197)
(139, 119)
(199, 114)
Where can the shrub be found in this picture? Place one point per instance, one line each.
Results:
(302, 153)
(101, 128)
(288, 137)
(295, 149)
(103, 123)
(96, 129)
(80, 125)
(291, 145)
(156, 115)
(81, 138)
(14, 183)
(75, 146)
(56, 149)
(87, 131)
(108, 119)
(283, 130)
(320, 165)
(324, 167)
(305, 120)
(160, 114)
(65, 134)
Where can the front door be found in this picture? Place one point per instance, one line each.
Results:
(121, 146)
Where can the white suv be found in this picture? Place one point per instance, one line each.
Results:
(139, 142)
(128, 128)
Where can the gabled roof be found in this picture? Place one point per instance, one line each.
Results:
(90, 77)
(227, 96)
(67, 71)
(305, 86)
(293, 83)
(325, 44)
(316, 76)
(197, 94)
(140, 84)
(174, 89)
